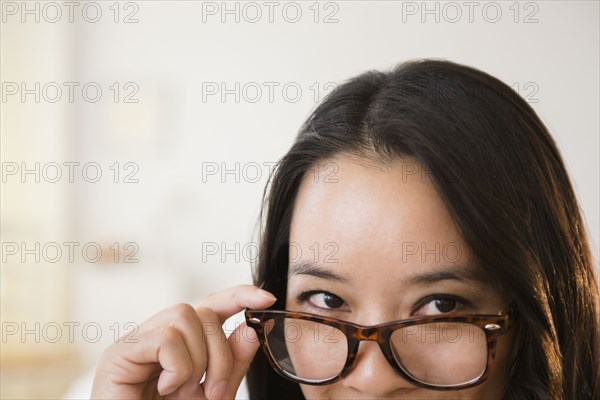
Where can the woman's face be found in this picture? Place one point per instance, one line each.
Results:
(372, 244)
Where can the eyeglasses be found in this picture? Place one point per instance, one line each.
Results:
(442, 352)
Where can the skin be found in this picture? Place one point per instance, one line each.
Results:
(366, 222)
(174, 348)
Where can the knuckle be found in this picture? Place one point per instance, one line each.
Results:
(238, 295)
(210, 296)
(207, 314)
(183, 311)
(210, 321)
(169, 335)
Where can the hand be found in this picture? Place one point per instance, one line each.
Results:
(178, 345)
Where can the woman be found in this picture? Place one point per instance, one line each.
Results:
(432, 197)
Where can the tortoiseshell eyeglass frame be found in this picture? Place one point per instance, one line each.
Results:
(492, 325)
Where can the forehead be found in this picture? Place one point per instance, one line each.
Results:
(373, 215)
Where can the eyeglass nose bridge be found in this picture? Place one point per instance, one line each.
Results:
(369, 334)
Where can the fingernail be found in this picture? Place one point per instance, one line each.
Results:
(218, 390)
(267, 295)
(165, 390)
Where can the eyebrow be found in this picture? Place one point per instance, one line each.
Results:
(304, 267)
(459, 273)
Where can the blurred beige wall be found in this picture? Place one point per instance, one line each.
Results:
(182, 108)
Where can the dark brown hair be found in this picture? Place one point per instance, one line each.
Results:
(502, 178)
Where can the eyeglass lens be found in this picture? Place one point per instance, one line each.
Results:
(440, 353)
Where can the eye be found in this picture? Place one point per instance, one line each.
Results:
(326, 300)
(439, 304)
(321, 300)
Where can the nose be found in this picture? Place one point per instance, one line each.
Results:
(372, 375)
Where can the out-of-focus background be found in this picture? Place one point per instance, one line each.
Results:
(137, 138)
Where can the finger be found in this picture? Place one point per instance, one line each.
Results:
(220, 359)
(243, 343)
(135, 362)
(233, 300)
(226, 303)
(186, 320)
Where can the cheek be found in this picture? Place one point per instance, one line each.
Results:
(316, 352)
(319, 392)
(500, 370)
(493, 388)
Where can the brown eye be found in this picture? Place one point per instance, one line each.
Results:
(332, 301)
(445, 305)
(440, 304)
(326, 301)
